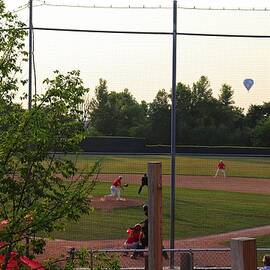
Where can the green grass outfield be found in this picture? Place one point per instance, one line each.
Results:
(185, 165)
(263, 241)
(198, 213)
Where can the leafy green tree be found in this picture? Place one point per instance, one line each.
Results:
(201, 118)
(226, 95)
(254, 115)
(205, 120)
(201, 90)
(261, 134)
(202, 99)
(184, 119)
(11, 52)
(115, 114)
(159, 119)
(203, 111)
(257, 113)
(36, 194)
(126, 112)
(141, 126)
(98, 110)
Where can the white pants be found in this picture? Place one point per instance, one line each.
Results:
(115, 192)
(222, 171)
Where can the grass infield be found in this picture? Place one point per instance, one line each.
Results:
(198, 213)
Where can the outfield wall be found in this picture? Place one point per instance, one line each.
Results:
(209, 150)
(138, 145)
(113, 144)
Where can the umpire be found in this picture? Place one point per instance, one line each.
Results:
(144, 183)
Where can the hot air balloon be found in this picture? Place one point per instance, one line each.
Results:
(248, 83)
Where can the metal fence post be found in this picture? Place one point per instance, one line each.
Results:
(91, 260)
(186, 261)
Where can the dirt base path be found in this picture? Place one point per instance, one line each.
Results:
(234, 184)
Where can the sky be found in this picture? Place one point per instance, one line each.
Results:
(143, 63)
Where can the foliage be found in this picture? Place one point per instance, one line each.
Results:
(257, 113)
(34, 194)
(226, 95)
(11, 53)
(84, 258)
(262, 133)
(201, 118)
(114, 113)
(109, 262)
(159, 119)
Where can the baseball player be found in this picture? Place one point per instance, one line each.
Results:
(116, 189)
(220, 168)
(143, 240)
(143, 183)
(133, 238)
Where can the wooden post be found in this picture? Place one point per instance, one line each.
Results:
(155, 216)
(243, 253)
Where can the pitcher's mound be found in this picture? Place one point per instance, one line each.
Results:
(111, 203)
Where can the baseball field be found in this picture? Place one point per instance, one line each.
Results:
(256, 167)
(204, 205)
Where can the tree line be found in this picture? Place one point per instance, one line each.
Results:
(201, 118)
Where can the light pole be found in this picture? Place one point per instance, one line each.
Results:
(173, 133)
(30, 52)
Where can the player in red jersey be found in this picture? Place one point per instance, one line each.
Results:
(116, 189)
(133, 238)
(220, 168)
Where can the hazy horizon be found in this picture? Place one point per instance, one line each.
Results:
(142, 63)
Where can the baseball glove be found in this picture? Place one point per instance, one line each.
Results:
(125, 185)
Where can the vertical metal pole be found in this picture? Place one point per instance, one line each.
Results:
(173, 133)
(91, 258)
(30, 62)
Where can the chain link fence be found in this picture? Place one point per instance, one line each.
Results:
(184, 259)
